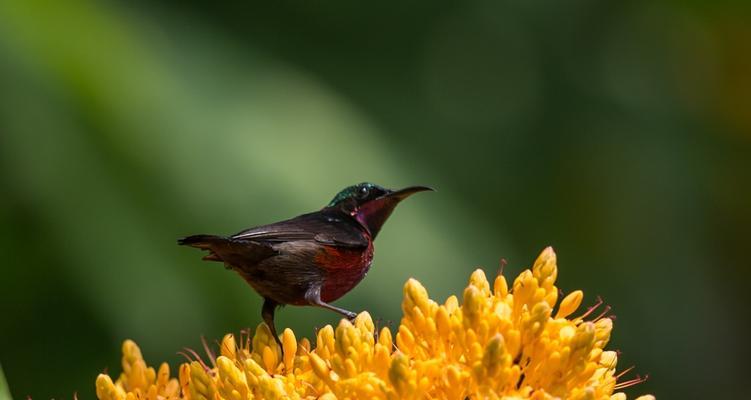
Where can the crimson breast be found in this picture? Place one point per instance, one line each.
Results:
(345, 268)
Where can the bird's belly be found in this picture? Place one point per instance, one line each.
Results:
(287, 276)
(344, 268)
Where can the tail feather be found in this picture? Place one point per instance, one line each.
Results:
(239, 252)
(204, 242)
(201, 241)
(211, 257)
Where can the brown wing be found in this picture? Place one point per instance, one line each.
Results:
(328, 228)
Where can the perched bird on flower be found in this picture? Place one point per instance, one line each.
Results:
(501, 341)
(312, 259)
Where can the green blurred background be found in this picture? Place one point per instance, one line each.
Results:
(618, 132)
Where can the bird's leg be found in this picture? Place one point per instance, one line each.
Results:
(313, 296)
(267, 312)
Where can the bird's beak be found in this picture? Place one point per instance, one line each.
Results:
(402, 194)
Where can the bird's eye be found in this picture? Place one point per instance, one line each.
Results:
(364, 191)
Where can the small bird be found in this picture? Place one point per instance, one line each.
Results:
(312, 259)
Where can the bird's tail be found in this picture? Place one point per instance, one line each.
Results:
(201, 241)
(205, 242)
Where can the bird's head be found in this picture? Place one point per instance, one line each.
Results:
(371, 204)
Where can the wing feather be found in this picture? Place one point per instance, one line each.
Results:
(322, 227)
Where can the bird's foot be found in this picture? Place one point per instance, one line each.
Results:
(351, 316)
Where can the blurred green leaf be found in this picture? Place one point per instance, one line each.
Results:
(4, 389)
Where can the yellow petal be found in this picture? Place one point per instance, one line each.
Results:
(569, 304)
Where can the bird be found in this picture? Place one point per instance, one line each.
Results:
(312, 259)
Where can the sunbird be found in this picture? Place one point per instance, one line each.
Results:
(312, 259)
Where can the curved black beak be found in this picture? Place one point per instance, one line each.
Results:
(402, 194)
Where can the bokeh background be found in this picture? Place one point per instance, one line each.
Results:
(618, 132)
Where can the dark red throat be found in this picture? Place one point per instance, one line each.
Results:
(372, 215)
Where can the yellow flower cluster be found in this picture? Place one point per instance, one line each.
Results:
(503, 343)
